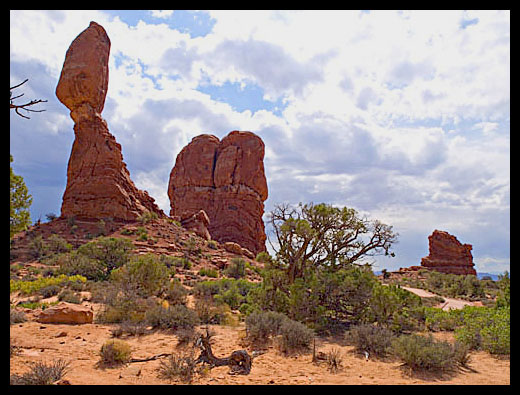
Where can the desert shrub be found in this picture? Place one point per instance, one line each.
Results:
(114, 352)
(461, 353)
(210, 312)
(263, 257)
(145, 275)
(229, 291)
(50, 216)
(432, 301)
(49, 291)
(171, 317)
(133, 328)
(178, 366)
(16, 316)
(373, 339)
(175, 292)
(424, 353)
(394, 308)
(147, 216)
(209, 272)
(261, 325)
(237, 268)
(109, 252)
(485, 328)
(42, 374)
(69, 296)
(186, 336)
(440, 320)
(212, 244)
(57, 244)
(38, 248)
(295, 336)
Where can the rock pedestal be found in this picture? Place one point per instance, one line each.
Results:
(226, 179)
(98, 182)
(448, 255)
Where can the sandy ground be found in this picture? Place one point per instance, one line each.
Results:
(81, 344)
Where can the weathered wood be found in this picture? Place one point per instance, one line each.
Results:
(239, 361)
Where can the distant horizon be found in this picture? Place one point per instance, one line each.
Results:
(401, 115)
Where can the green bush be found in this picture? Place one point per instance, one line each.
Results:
(262, 325)
(424, 353)
(172, 317)
(209, 272)
(17, 316)
(178, 366)
(147, 216)
(145, 275)
(485, 328)
(57, 244)
(237, 268)
(440, 320)
(375, 340)
(69, 296)
(295, 336)
(175, 292)
(49, 291)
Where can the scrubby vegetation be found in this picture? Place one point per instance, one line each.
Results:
(42, 374)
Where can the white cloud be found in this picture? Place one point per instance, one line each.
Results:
(403, 115)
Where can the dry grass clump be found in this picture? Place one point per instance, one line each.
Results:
(334, 360)
(42, 374)
(179, 366)
(114, 352)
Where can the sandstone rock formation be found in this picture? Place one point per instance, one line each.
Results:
(226, 179)
(66, 313)
(98, 182)
(448, 255)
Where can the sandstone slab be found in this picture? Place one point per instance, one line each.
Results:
(66, 313)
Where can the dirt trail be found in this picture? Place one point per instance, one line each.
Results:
(450, 303)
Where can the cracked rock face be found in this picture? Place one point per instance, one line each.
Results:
(98, 182)
(448, 255)
(226, 179)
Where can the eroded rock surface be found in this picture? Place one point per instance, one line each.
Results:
(448, 255)
(98, 182)
(226, 179)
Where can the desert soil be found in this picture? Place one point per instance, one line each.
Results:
(80, 345)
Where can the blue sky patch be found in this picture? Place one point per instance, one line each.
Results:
(250, 97)
(195, 23)
(468, 22)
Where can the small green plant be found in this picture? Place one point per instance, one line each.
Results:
(50, 217)
(295, 336)
(38, 248)
(114, 352)
(42, 374)
(127, 232)
(49, 291)
(57, 244)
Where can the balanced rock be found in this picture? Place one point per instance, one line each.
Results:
(98, 182)
(226, 179)
(66, 313)
(448, 255)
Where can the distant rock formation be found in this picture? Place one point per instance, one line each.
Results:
(226, 179)
(448, 255)
(98, 182)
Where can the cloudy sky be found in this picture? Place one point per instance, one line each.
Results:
(404, 116)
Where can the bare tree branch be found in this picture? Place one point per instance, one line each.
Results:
(24, 106)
